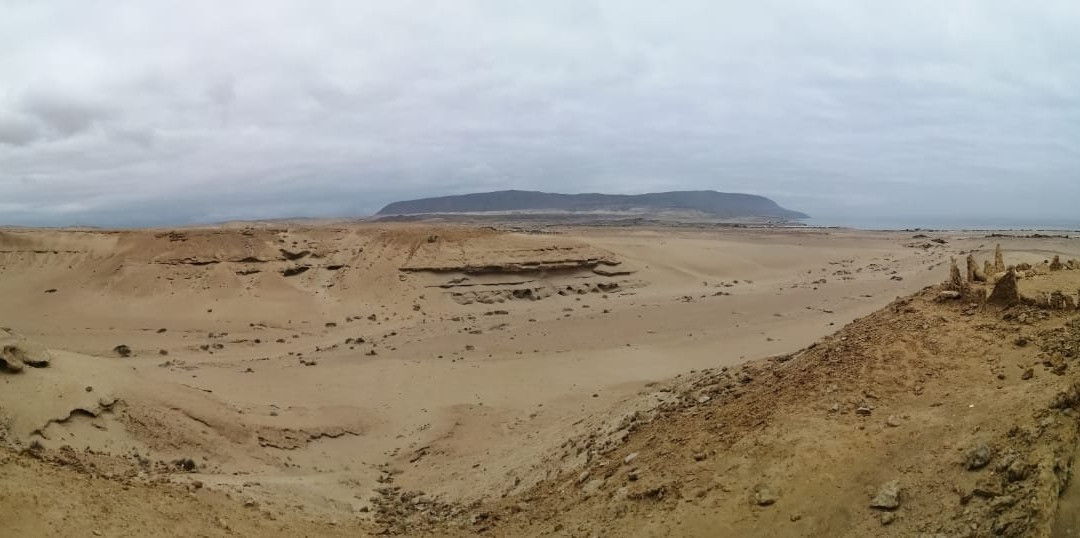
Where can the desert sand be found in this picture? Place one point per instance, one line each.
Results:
(337, 378)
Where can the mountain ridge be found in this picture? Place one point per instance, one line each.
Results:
(719, 204)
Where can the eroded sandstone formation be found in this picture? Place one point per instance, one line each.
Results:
(974, 274)
(1056, 264)
(16, 352)
(956, 281)
(1060, 301)
(1006, 290)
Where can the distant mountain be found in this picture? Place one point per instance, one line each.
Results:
(712, 203)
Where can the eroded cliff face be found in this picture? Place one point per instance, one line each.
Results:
(313, 269)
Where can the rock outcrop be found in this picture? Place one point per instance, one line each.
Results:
(1006, 292)
(16, 352)
(1061, 301)
(1001, 288)
(974, 274)
(956, 281)
(999, 260)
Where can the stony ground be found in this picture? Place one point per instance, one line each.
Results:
(931, 417)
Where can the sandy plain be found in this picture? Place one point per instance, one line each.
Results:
(366, 378)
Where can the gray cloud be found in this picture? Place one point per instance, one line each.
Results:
(17, 130)
(61, 116)
(175, 112)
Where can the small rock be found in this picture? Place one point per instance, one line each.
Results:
(122, 350)
(765, 495)
(592, 487)
(1017, 471)
(629, 458)
(185, 464)
(1028, 374)
(888, 518)
(978, 456)
(887, 497)
(988, 488)
(1001, 503)
(89, 388)
(863, 411)
(893, 421)
(964, 493)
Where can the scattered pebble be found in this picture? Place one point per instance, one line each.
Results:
(887, 497)
(765, 495)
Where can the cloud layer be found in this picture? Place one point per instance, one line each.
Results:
(147, 112)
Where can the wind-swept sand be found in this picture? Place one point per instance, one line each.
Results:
(290, 376)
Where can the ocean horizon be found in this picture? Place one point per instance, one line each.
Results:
(946, 223)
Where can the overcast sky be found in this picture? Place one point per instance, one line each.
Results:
(148, 112)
